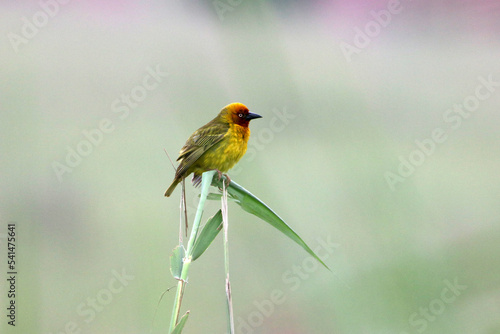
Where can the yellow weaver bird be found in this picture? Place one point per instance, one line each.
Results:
(218, 145)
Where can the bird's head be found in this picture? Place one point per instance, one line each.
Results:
(237, 113)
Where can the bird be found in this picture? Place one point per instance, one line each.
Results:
(218, 145)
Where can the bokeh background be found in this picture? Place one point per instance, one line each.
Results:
(94, 238)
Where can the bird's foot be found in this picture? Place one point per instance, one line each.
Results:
(228, 179)
(197, 178)
(220, 174)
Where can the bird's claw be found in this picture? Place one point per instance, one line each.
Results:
(220, 174)
(228, 179)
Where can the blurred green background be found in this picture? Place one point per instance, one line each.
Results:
(416, 253)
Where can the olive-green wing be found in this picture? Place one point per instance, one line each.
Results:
(199, 142)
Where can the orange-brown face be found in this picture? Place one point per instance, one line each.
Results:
(240, 114)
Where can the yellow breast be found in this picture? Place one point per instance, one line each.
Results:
(225, 154)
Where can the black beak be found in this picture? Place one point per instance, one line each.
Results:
(252, 116)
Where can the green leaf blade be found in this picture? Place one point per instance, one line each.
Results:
(207, 235)
(176, 261)
(255, 206)
(180, 326)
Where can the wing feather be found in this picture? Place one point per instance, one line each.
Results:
(199, 142)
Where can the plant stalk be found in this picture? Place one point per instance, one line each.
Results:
(205, 185)
(225, 223)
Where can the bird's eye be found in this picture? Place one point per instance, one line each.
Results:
(240, 115)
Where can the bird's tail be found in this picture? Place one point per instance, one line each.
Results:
(172, 187)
